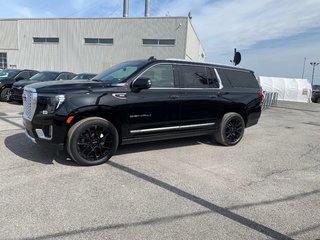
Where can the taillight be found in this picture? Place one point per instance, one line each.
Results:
(260, 96)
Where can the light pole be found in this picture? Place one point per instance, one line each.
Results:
(313, 64)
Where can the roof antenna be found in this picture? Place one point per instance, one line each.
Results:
(236, 58)
(152, 58)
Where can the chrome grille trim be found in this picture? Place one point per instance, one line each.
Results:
(29, 98)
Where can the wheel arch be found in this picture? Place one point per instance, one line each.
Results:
(243, 113)
(105, 112)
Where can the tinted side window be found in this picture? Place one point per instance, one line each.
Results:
(241, 79)
(160, 75)
(23, 75)
(70, 76)
(194, 77)
(33, 73)
(63, 76)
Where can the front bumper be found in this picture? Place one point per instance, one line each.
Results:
(44, 133)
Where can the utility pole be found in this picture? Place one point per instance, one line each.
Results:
(313, 64)
(304, 66)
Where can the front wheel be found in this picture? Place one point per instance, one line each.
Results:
(231, 129)
(92, 141)
(5, 95)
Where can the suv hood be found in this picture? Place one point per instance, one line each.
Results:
(64, 86)
(23, 83)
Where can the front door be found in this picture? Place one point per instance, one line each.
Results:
(154, 110)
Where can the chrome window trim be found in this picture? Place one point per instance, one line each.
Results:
(219, 78)
(172, 128)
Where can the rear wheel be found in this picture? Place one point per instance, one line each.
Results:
(92, 141)
(5, 95)
(231, 129)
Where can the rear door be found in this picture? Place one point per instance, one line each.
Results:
(201, 104)
(155, 110)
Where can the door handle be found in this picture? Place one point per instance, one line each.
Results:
(214, 96)
(174, 96)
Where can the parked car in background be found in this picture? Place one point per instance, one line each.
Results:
(84, 76)
(143, 100)
(315, 94)
(17, 88)
(8, 77)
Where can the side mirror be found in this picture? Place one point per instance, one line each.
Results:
(140, 83)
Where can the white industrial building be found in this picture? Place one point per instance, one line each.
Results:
(94, 44)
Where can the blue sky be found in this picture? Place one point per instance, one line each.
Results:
(273, 36)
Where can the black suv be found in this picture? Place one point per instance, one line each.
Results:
(142, 100)
(17, 88)
(315, 94)
(8, 77)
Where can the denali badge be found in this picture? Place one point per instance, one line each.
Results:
(140, 115)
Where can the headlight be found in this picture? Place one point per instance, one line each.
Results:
(51, 103)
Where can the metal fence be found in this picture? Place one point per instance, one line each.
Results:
(269, 99)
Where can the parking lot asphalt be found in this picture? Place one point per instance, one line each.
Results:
(266, 187)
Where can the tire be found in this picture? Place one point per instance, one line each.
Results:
(231, 129)
(92, 141)
(5, 95)
(318, 100)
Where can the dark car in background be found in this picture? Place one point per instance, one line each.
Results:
(315, 94)
(8, 77)
(84, 76)
(17, 88)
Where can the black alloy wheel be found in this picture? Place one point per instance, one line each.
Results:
(92, 141)
(231, 129)
(5, 95)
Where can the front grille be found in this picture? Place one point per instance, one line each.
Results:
(29, 103)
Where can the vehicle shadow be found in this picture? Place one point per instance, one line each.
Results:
(15, 103)
(21, 146)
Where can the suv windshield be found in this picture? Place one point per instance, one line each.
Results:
(84, 76)
(121, 72)
(42, 76)
(8, 73)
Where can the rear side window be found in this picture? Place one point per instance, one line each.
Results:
(241, 79)
(63, 76)
(194, 77)
(70, 76)
(23, 75)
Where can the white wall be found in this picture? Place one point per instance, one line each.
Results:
(71, 54)
(194, 49)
